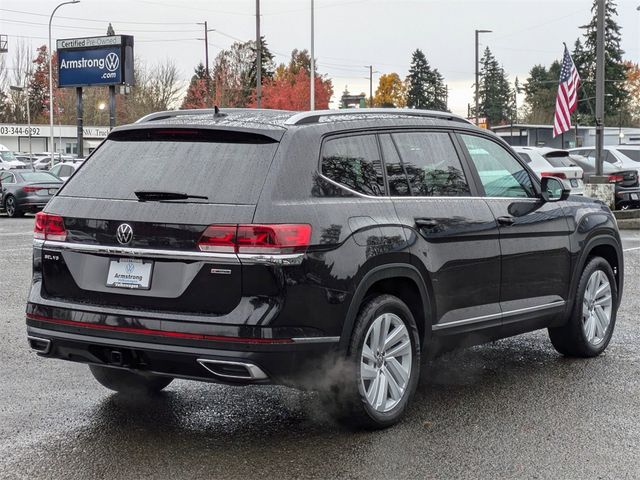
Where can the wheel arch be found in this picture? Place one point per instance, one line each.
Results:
(607, 247)
(401, 280)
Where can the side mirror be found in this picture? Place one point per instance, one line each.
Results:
(553, 190)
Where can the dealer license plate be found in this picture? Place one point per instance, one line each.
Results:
(130, 273)
(635, 196)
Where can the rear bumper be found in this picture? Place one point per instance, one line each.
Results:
(298, 362)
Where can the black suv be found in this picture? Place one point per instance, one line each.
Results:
(330, 250)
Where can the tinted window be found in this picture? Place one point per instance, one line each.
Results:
(7, 156)
(632, 154)
(432, 164)
(525, 157)
(396, 176)
(500, 173)
(35, 177)
(65, 171)
(226, 167)
(560, 161)
(7, 178)
(355, 163)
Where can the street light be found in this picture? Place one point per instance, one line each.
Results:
(478, 32)
(51, 79)
(21, 89)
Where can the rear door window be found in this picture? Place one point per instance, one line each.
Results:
(432, 164)
(396, 175)
(632, 154)
(354, 162)
(227, 167)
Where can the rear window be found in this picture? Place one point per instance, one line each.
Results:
(524, 156)
(37, 177)
(7, 156)
(224, 166)
(559, 160)
(632, 154)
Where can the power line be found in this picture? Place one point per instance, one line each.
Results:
(75, 27)
(94, 20)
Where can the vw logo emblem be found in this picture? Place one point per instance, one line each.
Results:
(112, 62)
(130, 267)
(124, 234)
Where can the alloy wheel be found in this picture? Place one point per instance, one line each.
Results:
(10, 206)
(597, 306)
(385, 364)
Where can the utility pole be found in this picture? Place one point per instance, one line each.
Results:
(312, 79)
(258, 58)
(206, 50)
(370, 86)
(600, 86)
(477, 85)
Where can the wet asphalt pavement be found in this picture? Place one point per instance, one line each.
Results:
(511, 409)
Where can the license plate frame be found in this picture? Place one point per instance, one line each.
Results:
(130, 273)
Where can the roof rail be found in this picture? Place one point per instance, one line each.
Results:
(305, 118)
(178, 113)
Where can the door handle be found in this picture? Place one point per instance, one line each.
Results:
(426, 223)
(506, 220)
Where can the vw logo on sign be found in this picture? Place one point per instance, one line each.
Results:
(112, 62)
(130, 267)
(124, 234)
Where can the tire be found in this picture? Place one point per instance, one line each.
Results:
(586, 333)
(11, 207)
(353, 399)
(125, 381)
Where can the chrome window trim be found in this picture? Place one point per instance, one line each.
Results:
(494, 316)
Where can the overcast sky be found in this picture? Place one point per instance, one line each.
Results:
(349, 34)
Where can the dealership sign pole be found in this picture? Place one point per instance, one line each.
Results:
(95, 62)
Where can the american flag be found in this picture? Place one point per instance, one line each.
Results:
(567, 99)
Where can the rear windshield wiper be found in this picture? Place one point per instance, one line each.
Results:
(155, 196)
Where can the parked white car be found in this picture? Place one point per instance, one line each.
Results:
(64, 170)
(625, 157)
(548, 162)
(8, 160)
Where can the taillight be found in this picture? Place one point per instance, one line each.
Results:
(271, 239)
(615, 178)
(283, 238)
(554, 174)
(49, 227)
(218, 238)
(32, 189)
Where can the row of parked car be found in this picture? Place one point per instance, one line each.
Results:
(24, 189)
(577, 165)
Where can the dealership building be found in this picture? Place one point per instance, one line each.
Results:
(16, 138)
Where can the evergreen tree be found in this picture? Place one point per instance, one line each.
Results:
(425, 86)
(496, 97)
(584, 56)
(540, 92)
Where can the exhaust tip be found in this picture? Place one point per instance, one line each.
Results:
(233, 370)
(40, 345)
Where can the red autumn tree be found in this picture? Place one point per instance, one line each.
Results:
(197, 95)
(293, 92)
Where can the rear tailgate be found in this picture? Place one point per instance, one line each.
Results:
(157, 265)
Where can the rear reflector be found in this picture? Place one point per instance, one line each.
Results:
(270, 239)
(554, 174)
(49, 227)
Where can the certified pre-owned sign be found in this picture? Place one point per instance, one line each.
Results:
(80, 65)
